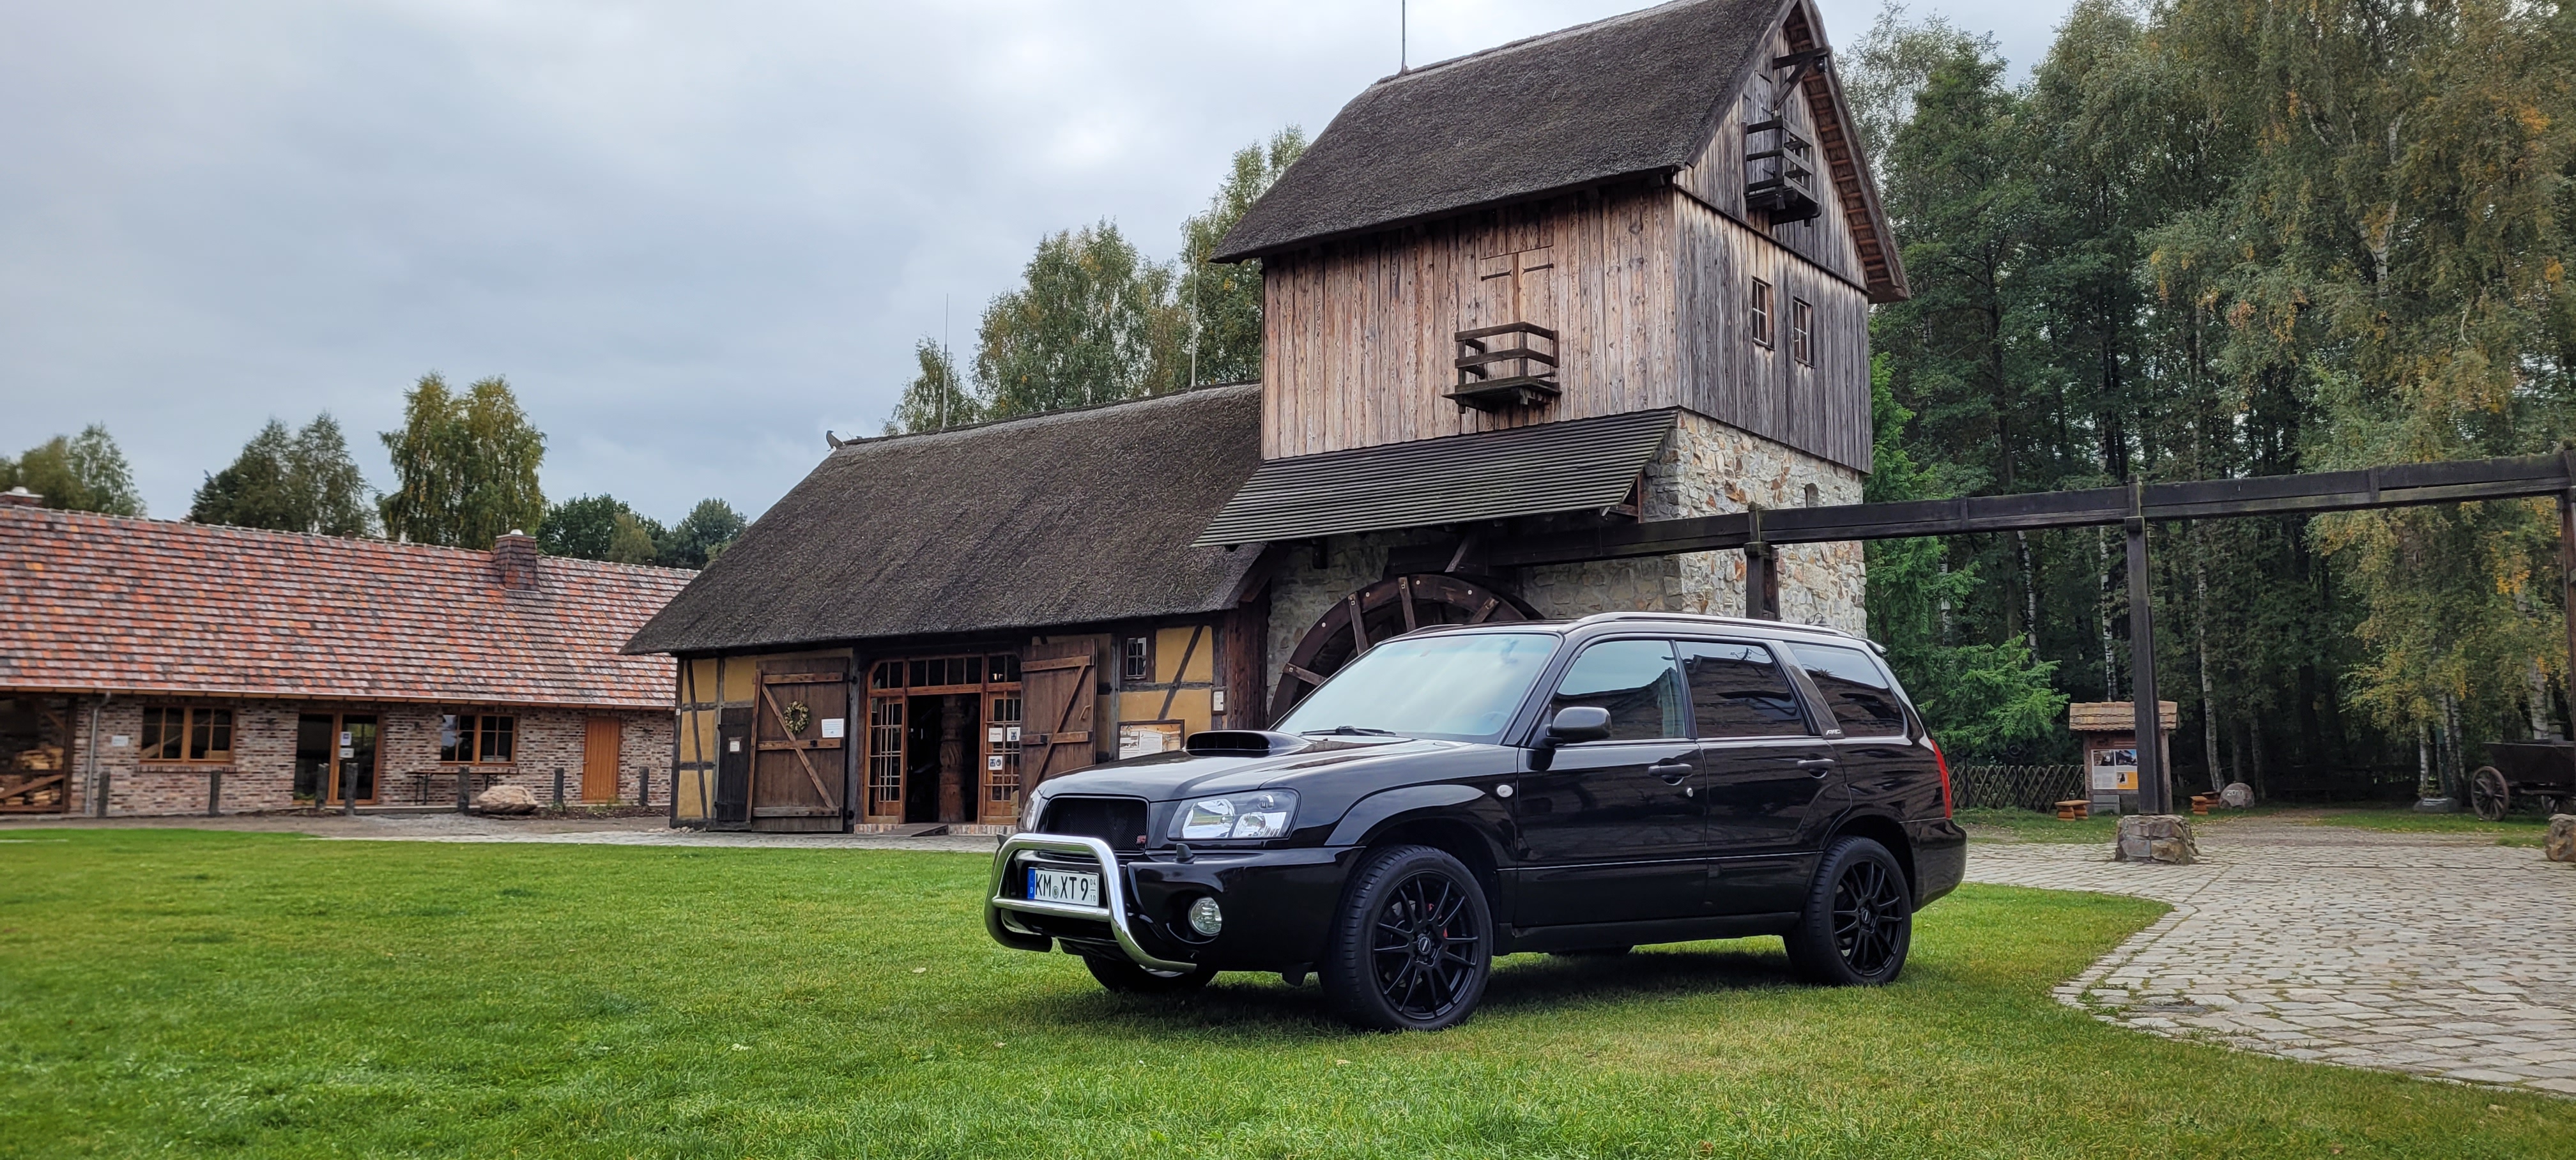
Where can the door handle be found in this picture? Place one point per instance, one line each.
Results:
(1817, 766)
(1671, 771)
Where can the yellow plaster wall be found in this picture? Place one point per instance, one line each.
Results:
(1170, 643)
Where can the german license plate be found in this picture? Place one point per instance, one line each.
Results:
(1064, 886)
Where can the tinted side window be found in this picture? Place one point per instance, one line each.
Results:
(1738, 690)
(1634, 680)
(1863, 701)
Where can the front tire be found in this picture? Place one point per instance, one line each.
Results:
(1859, 920)
(1127, 978)
(1412, 944)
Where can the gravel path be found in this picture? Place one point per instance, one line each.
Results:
(2432, 954)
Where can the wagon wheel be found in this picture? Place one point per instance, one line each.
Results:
(2488, 794)
(1386, 609)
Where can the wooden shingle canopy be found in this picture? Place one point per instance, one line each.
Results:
(1637, 96)
(99, 604)
(1582, 464)
(1069, 517)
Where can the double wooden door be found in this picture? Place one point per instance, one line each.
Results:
(335, 757)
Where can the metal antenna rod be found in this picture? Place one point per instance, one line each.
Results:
(1403, 51)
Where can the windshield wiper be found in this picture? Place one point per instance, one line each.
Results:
(1349, 731)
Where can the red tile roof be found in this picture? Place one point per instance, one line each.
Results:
(91, 602)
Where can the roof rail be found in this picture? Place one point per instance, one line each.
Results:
(1704, 618)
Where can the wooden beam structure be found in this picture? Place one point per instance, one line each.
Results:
(1759, 533)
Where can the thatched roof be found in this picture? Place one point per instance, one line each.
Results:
(1072, 517)
(1623, 97)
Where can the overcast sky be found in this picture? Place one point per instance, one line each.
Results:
(692, 235)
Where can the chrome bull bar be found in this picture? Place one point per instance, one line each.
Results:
(1113, 898)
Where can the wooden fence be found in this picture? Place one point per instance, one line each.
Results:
(2026, 787)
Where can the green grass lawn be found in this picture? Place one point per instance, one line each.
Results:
(178, 993)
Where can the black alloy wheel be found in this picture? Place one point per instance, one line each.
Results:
(1412, 945)
(1859, 920)
(1127, 978)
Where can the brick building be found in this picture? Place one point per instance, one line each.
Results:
(164, 667)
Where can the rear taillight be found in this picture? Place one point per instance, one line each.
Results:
(1944, 764)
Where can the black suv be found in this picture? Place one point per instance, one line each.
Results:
(1458, 793)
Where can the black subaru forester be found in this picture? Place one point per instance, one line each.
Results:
(1459, 793)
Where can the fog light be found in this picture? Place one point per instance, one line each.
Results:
(1206, 918)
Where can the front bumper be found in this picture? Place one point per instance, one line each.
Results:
(1277, 903)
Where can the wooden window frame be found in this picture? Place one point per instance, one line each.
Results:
(1129, 656)
(1760, 300)
(186, 740)
(470, 738)
(1802, 332)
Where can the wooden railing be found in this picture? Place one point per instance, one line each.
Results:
(1780, 180)
(1531, 372)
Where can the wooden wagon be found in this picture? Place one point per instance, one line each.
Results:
(2542, 771)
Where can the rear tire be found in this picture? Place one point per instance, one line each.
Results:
(1412, 944)
(1127, 978)
(1859, 920)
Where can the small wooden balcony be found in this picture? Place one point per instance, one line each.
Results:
(1779, 180)
(1499, 369)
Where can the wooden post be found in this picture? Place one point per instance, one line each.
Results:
(1761, 573)
(464, 792)
(2155, 793)
(558, 787)
(214, 793)
(348, 781)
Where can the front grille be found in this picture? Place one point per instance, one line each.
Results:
(1117, 821)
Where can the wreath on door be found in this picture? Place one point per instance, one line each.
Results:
(796, 717)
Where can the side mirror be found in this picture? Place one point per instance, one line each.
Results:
(1576, 723)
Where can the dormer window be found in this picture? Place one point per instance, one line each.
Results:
(1761, 312)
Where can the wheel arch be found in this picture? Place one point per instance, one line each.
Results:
(1451, 835)
(1885, 831)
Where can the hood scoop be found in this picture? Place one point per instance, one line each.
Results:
(1243, 743)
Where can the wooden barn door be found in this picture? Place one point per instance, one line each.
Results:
(799, 720)
(732, 809)
(599, 750)
(1059, 695)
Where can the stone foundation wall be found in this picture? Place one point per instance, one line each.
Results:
(1706, 468)
(261, 774)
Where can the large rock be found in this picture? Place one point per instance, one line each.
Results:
(2156, 838)
(507, 799)
(2560, 844)
(2237, 795)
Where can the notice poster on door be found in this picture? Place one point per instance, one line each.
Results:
(832, 726)
(1145, 738)
(2115, 770)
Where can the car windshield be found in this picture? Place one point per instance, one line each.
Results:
(1463, 687)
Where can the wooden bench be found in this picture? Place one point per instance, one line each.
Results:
(2074, 808)
(2201, 802)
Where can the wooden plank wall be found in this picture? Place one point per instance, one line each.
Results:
(1358, 335)
(1716, 177)
(1821, 409)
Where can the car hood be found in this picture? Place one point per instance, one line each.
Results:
(1323, 764)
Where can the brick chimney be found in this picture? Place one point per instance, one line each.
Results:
(20, 497)
(514, 561)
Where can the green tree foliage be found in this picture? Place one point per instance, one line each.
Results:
(937, 397)
(702, 535)
(2217, 238)
(1082, 328)
(299, 482)
(465, 466)
(581, 527)
(631, 539)
(81, 473)
(1223, 302)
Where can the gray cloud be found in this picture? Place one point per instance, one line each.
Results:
(693, 235)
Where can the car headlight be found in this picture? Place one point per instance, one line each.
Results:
(1030, 807)
(1265, 814)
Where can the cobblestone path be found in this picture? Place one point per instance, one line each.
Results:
(2432, 954)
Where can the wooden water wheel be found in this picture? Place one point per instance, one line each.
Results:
(1386, 609)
